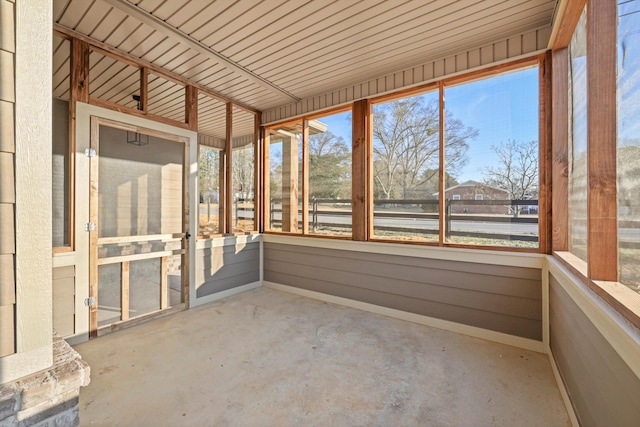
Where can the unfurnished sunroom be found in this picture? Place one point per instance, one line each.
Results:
(471, 166)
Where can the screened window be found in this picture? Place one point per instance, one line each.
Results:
(282, 164)
(406, 159)
(491, 160)
(628, 167)
(243, 171)
(210, 178)
(330, 174)
(577, 206)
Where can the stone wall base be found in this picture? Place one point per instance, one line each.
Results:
(47, 398)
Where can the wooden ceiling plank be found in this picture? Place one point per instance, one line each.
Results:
(325, 35)
(394, 46)
(60, 8)
(141, 63)
(351, 74)
(251, 21)
(109, 25)
(166, 10)
(132, 39)
(94, 16)
(194, 44)
(275, 33)
(388, 31)
(200, 25)
(74, 13)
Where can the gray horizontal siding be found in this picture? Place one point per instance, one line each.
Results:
(221, 268)
(603, 389)
(64, 290)
(499, 298)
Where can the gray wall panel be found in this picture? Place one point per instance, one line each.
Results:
(64, 289)
(519, 326)
(502, 299)
(514, 281)
(223, 268)
(603, 389)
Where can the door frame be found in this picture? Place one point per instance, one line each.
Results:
(82, 128)
(94, 197)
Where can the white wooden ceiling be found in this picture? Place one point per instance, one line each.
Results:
(267, 53)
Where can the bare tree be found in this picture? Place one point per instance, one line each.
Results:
(516, 169)
(407, 143)
(243, 171)
(209, 172)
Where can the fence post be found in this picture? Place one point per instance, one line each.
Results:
(447, 219)
(314, 215)
(208, 208)
(236, 200)
(270, 214)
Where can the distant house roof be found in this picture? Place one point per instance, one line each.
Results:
(472, 183)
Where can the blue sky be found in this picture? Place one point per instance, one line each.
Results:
(500, 108)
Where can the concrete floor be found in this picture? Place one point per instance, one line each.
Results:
(268, 358)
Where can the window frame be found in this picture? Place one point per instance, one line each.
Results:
(303, 189)
(600, 272)
(362, 179)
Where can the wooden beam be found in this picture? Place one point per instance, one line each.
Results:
(93, 235)
(560, 147)
(565, 23)
(184, 39)
(602, 239)
(222, 192)
(266, 181)
(164, 300)
(544, 155)
(305, 177)
(290, 184)
(191, 107)
(112, 52)
(257, 174)
(359, 140)
(441, 171)
(124, 290)
(144, 89)
(228, 176)
(79, 71)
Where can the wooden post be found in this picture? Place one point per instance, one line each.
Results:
(257, 173)
(290, 183)
(305, 177)
(124, 290)
(228, 178)
(544, 155)
(222, 191)
(191, 107)
(79, 82)
(144, 89)
(602, 201)
(164, 300)
(560, 144)
(359, 167)
(443, 211)
(266, 181)
(93, 235)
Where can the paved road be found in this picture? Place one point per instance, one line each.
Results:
(632, 234)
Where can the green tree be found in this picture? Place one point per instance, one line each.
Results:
(209, 172)
(329, 166)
